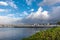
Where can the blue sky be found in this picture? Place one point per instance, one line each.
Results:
(29, 11)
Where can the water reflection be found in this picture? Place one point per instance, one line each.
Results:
(17, 33)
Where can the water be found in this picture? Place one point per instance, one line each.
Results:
(17, 33)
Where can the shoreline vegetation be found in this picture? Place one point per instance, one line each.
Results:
(49, 34)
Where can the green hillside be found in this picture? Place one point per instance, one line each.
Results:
(49, 34)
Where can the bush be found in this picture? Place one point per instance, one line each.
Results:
(58, 23)
(50, 34)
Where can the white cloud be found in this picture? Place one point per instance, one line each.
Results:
(49, 2)
(23, 14)
(9, 3)
(10, 15)
(3, 3)
(12, 4)
(4, 10)
(40, 14)
(7, 20)
(29, 2)
(32, 10)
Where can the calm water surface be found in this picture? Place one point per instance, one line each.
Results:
(17, 33)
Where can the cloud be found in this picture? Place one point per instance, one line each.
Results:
(29, 2)
(42, 16)
(4, 10)
(12, 4)
(8, 3)
(55, 13)
(23, 14)
(10, 15)
(32, 10)
(39, 16)
(49, 2)
(3, 3)
(7, 20)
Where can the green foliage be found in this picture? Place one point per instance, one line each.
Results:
(58, 22)
(50, 34)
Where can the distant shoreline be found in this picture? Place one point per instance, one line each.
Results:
(28, 26)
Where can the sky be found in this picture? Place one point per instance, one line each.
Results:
(29, 11)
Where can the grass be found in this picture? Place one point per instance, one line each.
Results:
(49, 34)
